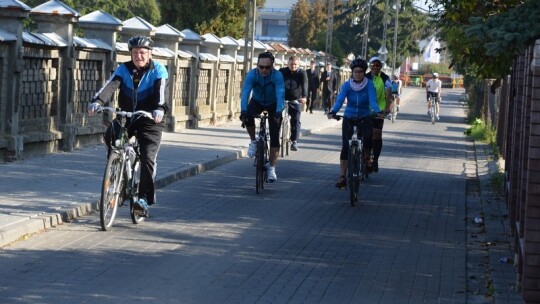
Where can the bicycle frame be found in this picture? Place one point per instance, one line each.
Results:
(261, 155)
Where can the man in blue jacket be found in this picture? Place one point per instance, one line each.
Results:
(266, 86)
(143, 86)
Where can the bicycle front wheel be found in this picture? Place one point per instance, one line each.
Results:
(353, 173)
(111, 190)
(134, 192)
(285, 135)
(259, 167)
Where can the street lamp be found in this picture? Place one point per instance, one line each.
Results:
(383, 52)
(394, 46)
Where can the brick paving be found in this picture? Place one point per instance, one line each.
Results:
(211, 239)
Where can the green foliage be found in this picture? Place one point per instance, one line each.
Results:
(440, 68)
(483, 37)
(219, 17)
(413, 26)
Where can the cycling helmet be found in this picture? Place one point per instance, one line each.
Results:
(358, 62)
(140, 42)
(375, 58)
(436, 75)
(396, 76)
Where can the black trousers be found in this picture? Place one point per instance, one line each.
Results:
(295, 111)
(311, 98)
(149, 136)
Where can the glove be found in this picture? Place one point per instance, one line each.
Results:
(92, 108)
(243, 116)
(158, 115)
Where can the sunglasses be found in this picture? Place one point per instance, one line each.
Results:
(265, 67)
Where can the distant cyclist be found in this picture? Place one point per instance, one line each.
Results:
(361, 104)
(396, 90)
(433, 89)
(266, 87)
(143, 86)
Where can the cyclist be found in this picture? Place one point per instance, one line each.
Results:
(433, 89)
(361, 104)
(143, 86)
(396, 90)
(296, 89)
(383, 87)
(268, 92)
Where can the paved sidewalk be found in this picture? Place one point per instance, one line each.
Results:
(46, 191)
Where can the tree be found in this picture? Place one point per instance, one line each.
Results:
(220, 17)
(300, 30)
(413, 27)
(483, 37)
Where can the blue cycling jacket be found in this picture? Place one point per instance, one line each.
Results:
(150, 94)
(360, 103)
(265, 90)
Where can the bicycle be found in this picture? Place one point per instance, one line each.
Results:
(285, 131)
(432, 101)
(357, 168)
(122, 172)
(262, 152)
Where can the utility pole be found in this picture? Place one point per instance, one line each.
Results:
(383, 52)
(330, 28)
(366, 31)
(249, 36)
(394, 46)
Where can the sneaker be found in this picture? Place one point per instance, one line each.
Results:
(429, 112)
(271, 174)
(341, 182)
(375, 166)
(437, 117)
(252, 149)
(141, 207)
(397, 109)
(294, 146)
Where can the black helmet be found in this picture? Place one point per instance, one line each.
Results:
(358, 62)
(140, 42)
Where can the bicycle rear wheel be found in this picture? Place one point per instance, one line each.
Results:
(433, 108)
(111, 190)
(259, 167)
(353, 173)
(134, 192)
(394, 111)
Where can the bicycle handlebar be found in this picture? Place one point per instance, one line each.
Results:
(125, 113)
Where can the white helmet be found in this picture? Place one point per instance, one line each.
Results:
(436, 75)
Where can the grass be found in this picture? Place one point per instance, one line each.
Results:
(482, 133)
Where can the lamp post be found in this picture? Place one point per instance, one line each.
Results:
(394, 46)
(366, 30)
(383, 52)
(249, 38)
